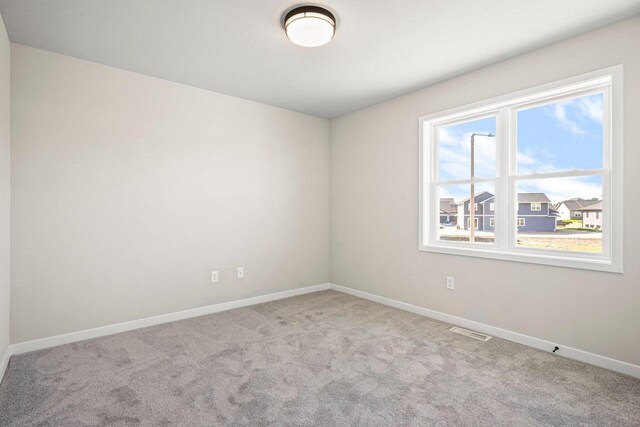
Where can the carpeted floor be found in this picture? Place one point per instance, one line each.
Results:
(320, 359)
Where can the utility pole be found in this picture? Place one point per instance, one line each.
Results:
(472, 199)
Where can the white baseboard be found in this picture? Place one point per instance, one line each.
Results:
(4, 362)
(42, 343)
(571, 353)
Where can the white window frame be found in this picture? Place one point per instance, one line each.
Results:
(608, 81)
(522, 221)
(538, 207)
(492, 221)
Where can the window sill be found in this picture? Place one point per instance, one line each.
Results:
(568, 261)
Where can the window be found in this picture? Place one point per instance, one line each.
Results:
(521, 153)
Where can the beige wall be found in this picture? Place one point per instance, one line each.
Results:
(5, 190)
(128, 190)
(374, 211)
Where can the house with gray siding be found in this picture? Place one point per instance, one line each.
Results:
(535, 212)
(572, 208)
(592, 216)
(484, 212)
(448, 211)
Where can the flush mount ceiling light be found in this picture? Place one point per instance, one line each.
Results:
(309, 26)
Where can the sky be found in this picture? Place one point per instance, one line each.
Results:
(554, 137)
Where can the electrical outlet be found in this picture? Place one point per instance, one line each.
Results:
(240, 273)
(451, 283)
(214, 277)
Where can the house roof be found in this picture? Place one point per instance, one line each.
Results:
(572, 205)
(597, 206)
(578, 204)
(522, 197)
(533, 197)
(478, 197)
(448, 205)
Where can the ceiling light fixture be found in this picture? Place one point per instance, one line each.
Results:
(309, 26)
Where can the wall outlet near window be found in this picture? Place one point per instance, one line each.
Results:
(451, 283)
(214, 277)
(240, 273)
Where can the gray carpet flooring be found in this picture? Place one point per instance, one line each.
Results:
(320, 359)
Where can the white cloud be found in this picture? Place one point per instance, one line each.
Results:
(591, 107)
(560, 113)
(559, 189)
(528, 163)
(586, 107)
(446, 137)
(455, 155)
(525, 159)
(456, 191)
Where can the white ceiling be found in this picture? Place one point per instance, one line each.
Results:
(382, 48)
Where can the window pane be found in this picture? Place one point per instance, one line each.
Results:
(561, 136)
(454, 149)
(455, 216)
(570, 215)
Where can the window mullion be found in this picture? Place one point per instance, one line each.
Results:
(607, 183)
(431, 176)
(502, 162)
(607, 220)
(511, 199)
